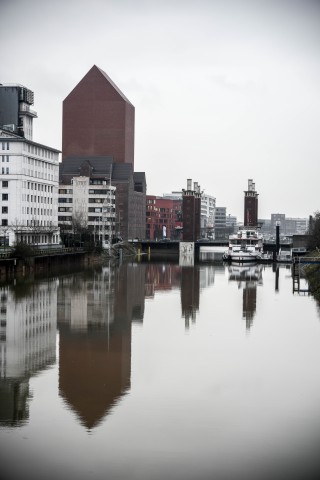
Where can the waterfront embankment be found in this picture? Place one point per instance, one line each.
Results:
(312, 273)
(23, 263)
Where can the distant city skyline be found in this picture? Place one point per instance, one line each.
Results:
(223, 90)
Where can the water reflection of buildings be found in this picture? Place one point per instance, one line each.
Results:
(161, 277)
(28, 318)
(247, 278)
(190, 293)
(95, 313)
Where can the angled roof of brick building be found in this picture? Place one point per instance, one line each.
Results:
(98, 120)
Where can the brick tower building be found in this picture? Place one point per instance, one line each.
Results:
(250, 206)
(98, 120)
(191, 212)
(98, 123)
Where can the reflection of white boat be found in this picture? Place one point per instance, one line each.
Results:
(244, 246)
(245, 273)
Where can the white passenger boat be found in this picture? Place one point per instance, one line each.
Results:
(245, 246)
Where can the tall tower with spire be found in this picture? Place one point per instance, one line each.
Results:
(250, 205)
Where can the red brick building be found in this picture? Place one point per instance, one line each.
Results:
(250, 206)
(163, 212)
(98, 120)
(191, 212)
(98, 130)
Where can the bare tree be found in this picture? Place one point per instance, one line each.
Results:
(314, 231)
(78, 226)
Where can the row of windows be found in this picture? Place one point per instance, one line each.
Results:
(35, 198)
(32, 239)
(163, 215)
(5, 158)
(162, 210)
(37, 211)
(101, 200)
(39, 186)
(91, 200)
(5, 145)
(42, 175)
(5, 171)
(65, 190)
(163, 220)
(92, 191)
(39, 163)
(100, 209)
(41, 152)
(32, 186)
(27, 210)
(65, 209)
(92, 219)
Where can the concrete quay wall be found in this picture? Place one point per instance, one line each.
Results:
(11, 268)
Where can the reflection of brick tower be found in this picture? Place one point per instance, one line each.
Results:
(249, 304)
(190, 293)
(191, 212)
(250, 206)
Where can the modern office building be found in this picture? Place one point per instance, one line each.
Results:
(15, 113)
(288, 225)
(250, 206)
(29, 175)
(220, 223)
(231, 221)
(98, 123)
(164, 218)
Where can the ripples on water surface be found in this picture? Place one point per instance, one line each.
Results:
(154, 371)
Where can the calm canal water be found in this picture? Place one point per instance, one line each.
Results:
(158, 371)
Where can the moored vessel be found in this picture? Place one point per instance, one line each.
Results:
(244, 246)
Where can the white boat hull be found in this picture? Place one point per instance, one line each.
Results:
(241, 257)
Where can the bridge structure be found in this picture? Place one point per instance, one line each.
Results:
(170, 248)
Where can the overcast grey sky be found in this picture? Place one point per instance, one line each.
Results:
(223, 90)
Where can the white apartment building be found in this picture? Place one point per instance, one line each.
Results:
(29, 176)
(88, 204)
(208, 205)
